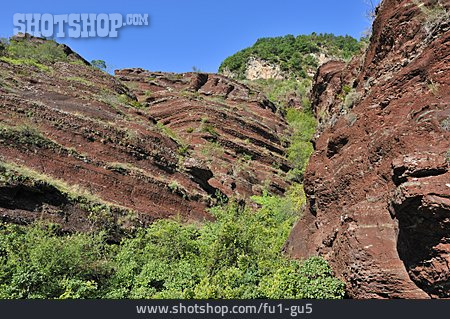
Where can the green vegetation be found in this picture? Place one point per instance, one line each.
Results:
(167, 131)
(281, 91)
(3, 45)
(25, 134)
(36, 263)
(79, 80)
(237, 256)
(209, 128)
(212, 150)
(21, 61)
(292, 54)
(303, 125)
(99, 64)
(174, 186)
(183, 150)
(32, 53)
(45, 52)
(128, 101)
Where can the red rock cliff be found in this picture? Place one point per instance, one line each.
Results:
(378, 184)
(72, 135)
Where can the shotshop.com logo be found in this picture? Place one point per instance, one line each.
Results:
(76, 25)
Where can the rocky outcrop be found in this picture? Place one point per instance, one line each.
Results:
(378, 184)
(76, 142)
(233, 131)
(256, 68)
(260, 69)
(327, 81)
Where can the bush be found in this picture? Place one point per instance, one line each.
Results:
(36, 263)
(303, 125)
(312, 279)
(46, 52)
(234, 257)
(237, 256)
(281, 91)
(3, 45)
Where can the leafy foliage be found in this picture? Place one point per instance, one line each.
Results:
(3, 45)
(23, 61)
(30, 53)
(46, 52)
(237, 256)
(281, 91)
(36, 263)
(302, 122)
(99, 64)
(292, 54)
(300, 149)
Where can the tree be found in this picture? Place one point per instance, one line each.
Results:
(3, 45)
(99, 64)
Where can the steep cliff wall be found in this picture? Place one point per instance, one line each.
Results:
(378, 184)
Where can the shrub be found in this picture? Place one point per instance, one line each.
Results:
(3, 45)
(79, 80)
(303, 125)
(36, 263)
(183, 150)
(280, 91)
(99, 64)
(209, 128)
(174, 186)
(312, 279)
(236, 256)
(46, 52)
(128, 101)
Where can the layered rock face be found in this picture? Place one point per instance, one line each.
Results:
(72, 135)
(233, 131)
(378, 184)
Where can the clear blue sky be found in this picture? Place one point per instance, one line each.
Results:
(201, 33)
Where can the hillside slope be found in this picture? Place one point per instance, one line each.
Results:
(77, 147)
(378, 183)
(288, 56)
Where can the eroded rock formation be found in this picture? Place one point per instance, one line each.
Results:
(378, 184)
(191, 140)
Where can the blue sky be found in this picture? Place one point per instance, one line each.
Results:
(200, 33)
